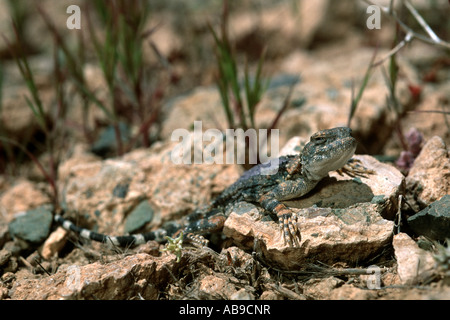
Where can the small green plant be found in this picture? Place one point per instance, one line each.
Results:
(34, 103)
(74, 61)
(134, 90)
(229, 84)
(4, 147)
(18, 10)
(240, 109)
(20, 13)
(174, 245)
(355, 100)
(120, 55)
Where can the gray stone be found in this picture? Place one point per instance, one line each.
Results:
(107, 142)
(433, 221)
(141, 215)
(33, 226)
(121, 190)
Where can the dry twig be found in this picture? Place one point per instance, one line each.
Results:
(432, 38)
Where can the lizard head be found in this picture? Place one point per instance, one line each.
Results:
(326, 151)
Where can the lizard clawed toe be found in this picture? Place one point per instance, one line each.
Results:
(354, 168)
(291, 233)
(197, 240)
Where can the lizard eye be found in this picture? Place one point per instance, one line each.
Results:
(319, 140)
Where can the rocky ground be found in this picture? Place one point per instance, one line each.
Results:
(378, 236)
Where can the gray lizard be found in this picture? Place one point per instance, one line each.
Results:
(294, 176)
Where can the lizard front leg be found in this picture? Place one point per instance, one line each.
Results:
(271, 201)
(354, 168)
(286, 220)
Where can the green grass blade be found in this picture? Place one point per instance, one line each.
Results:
(355, 101)
(39, 118)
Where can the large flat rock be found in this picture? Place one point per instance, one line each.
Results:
(344, 219)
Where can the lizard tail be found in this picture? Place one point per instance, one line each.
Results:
(121, 241)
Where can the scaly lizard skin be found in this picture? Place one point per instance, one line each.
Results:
(294, 176)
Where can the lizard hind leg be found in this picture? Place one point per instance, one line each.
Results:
(212, 223)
